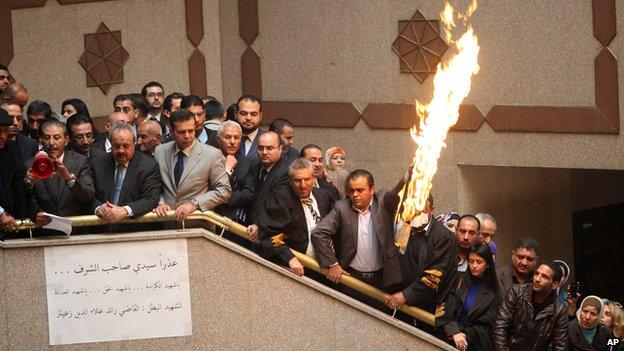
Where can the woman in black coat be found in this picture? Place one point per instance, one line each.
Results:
(469, 313)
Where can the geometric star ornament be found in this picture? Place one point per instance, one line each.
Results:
(103, 58)
(419, 46)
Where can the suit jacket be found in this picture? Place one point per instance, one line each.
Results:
(53, 195)
(141, 187)
(330, 188)
(252, 154)
(282, 212)
(100, 141)
(204, 177)
(13, 192)
(93, 152)
(481, 316)
(341, 225)
(242, 183)
(290, 155)
(276, 178)
(28, 146)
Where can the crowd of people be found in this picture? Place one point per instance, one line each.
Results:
(184, 153)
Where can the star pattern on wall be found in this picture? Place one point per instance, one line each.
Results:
(103, 58)
(419, 46)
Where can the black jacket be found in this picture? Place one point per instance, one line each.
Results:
(517, 329)
(577, 341)
(13, 192)
(480, 318)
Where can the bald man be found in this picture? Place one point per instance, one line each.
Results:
(103, 142)
(149, 135)
(15, 92)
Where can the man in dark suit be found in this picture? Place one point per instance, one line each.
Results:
(238, 170)
(171, 105)
(80, 129)
(70, 190)
(28, 146)
(293, 211)
(127, 183)
(314, 154)
(286, 131)
(154, 93)
(195, 106)
(12, 173)
(271, 173)
(249, 115)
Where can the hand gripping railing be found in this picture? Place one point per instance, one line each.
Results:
(240, 230)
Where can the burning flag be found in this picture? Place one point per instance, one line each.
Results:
(451, 85)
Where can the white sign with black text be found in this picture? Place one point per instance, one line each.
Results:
(118, 291)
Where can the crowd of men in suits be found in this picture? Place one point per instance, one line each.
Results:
(184, 153)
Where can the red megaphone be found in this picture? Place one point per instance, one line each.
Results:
(42, 166)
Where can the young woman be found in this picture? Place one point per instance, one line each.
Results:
(585, 333)
(613, 319)
(469, 313)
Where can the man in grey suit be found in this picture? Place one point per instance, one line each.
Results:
(70, 190)
(193, 174)
(363, 224)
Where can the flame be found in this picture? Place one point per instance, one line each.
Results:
(451, 85)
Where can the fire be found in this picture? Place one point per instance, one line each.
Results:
(451, 85)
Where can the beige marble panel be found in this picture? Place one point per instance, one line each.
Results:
(49, 42)
(210, 46)
(232, 47)
(239, 301)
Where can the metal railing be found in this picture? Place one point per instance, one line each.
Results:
(228, 224)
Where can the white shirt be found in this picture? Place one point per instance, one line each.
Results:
(310, 222)
(249, 141)
(149, 116)
(203, 136)
(368, 255)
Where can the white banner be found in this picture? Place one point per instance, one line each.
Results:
(118, 291)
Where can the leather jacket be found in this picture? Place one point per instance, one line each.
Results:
(517, 329)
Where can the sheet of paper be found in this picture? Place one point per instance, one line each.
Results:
(118, 291)
(59, 223)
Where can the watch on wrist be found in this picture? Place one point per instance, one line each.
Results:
(194, 202)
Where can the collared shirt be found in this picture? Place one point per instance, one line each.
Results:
(176, 150)
(202, 137)
(368, 255)
(310, 222)
(107, 145)
(125, 171)
(249, 141)
(157, 117)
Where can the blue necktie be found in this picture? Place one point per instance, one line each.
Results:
(179, 168)
(118, 183)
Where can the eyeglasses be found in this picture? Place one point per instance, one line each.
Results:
(152, 95)
(267, 148)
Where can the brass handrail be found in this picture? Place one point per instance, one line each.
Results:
(240, 230)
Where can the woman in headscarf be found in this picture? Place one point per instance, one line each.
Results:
(335, 168)
(469, 313)
(585, 333)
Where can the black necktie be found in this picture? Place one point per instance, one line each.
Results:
(243, 148)
(263, 175)
(179, 168)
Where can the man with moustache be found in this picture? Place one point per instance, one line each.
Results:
(170, 105)
(127, 183)
(524, 257)
(238, 169)
(37, 113)
(149, 136)
(531, 317)
(28, 147)
(293, 211)
(286, 131)
(70, 190)
(249, 115)
(81, 139)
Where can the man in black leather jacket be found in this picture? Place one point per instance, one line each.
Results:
(531, 317)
